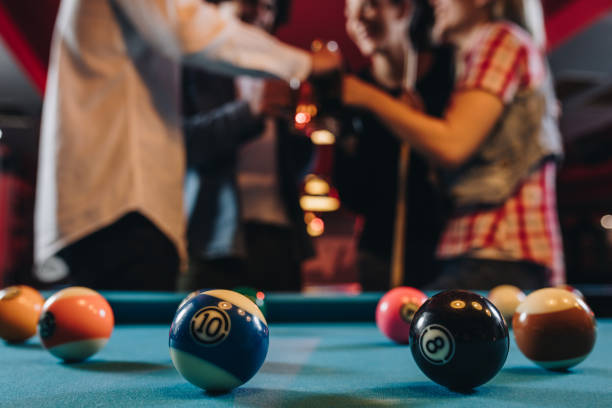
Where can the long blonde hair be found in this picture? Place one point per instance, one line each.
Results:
(528, 14)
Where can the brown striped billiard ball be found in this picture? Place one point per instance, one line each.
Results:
(572, 289)
(554, 328)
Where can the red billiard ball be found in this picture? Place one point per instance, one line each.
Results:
(459, 339)
(554, 328)
(506, 298)
(20, 308)
(395, 311)
(75, 323)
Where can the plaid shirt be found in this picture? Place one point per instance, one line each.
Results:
(501, 61)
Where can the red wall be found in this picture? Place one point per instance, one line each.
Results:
(323, 20)
(26, 27)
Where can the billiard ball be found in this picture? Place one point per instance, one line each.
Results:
(75, 323)
(257, 296)
(554, 328)
(395, 310)
(571, 289)
(20, 308)
(188, 298)
(218, 340)
(459, 339)
(506, 298)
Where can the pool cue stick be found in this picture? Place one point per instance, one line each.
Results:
(399, 233)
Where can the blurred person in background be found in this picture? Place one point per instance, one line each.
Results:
(245, 224)
(496, 147)
(109, 209)
(376, 175)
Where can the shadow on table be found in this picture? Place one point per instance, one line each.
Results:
(361, 346)
(414, 394)
(275, 367)
(118, 366)
(487, 395)
(422, 390)
(26, 345)
(556, 396)
(527, 374)
(266, 398)
(534, 373)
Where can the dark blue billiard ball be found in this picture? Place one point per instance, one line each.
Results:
(218, 339)
(459, 339)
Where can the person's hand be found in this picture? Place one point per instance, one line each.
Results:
(356, 92)
(277, 98)
(325, 60)
(251, 90)
(265, 97)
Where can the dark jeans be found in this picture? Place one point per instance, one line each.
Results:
(130, 254)
(270, 265)
(484, 274)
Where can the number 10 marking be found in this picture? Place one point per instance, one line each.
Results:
(210, 325)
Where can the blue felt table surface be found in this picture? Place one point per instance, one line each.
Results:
(308, 365)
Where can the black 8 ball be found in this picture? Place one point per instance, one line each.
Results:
(459, 339)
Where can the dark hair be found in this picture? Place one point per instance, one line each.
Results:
(421, 25)
(283, 10)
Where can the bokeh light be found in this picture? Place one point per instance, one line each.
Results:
(322, 137)
(606, 221)
(316, 185)
(308, 217)
(319, 203)
(316, 227)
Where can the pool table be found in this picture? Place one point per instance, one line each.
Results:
(325, 351)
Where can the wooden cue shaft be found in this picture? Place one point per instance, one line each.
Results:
(399, 233)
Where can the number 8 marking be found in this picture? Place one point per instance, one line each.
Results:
(437, 344)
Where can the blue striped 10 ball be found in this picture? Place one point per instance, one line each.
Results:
(218, 339)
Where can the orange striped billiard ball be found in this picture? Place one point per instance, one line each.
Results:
(554, 328)
(75, 323)
(20, 308)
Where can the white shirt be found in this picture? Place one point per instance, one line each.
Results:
(111, 138)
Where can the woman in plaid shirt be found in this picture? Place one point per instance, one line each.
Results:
(496, 147)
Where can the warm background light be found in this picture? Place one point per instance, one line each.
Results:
(301, 118)
(308, 217)
(322, 137)
(316, 185)
(316, 227)
(606, 221)
(319, 204)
